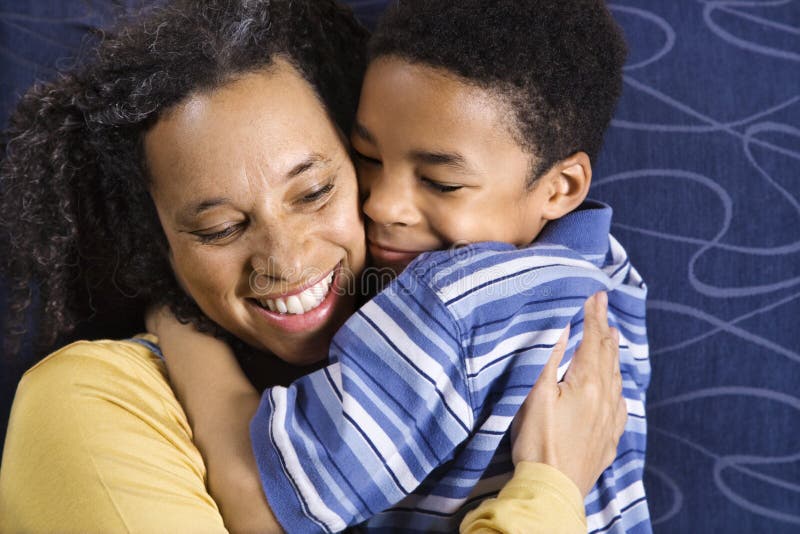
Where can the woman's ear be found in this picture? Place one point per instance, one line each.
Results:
(568, 181)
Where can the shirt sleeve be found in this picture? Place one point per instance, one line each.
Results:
(411, 373)
(538, 499)
(352, 439)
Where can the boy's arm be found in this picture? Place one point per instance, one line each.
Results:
(219, 402)
(360, 435)
(354, 438)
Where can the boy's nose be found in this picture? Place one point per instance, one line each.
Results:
(391, 202)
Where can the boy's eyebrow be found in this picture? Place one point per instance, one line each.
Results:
(449, 159)
(361, 131)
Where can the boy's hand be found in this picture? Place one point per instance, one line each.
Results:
(219, 402)
(199, 365)
(575, 425)
(152, 317)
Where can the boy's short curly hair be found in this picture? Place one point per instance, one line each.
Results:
(556, 63)
(84, 246)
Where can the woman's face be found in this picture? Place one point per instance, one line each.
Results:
(259, 203)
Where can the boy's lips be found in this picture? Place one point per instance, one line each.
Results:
(388, 254)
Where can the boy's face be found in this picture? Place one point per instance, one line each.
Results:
(438, 165)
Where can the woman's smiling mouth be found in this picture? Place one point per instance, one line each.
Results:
(300, 302)
(308, 308)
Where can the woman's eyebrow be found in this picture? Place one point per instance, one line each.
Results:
(193, 210)
(307, 164)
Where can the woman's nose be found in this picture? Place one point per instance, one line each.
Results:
(284, 260)
(390, 200)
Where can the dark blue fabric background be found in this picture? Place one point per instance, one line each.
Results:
(701, 166)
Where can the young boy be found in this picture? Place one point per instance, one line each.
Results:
(478, 123)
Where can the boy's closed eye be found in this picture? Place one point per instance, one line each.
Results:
(440, 186)
(366, 159)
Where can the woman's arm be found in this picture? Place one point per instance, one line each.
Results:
(565, 434)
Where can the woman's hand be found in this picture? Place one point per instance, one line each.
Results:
(575, 425)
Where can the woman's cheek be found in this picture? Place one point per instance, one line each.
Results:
(205, 274)
(353, 226)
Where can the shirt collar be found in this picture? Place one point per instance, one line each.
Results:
(585, 230)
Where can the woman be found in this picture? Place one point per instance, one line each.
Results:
(97, 440)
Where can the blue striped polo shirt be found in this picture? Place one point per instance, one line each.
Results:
(407, 428)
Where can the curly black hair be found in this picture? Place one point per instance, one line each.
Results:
(557, 63)
(85, 251)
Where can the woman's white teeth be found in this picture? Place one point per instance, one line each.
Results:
(307, 301)
(294, 305)
(303, 302)
(281, 305)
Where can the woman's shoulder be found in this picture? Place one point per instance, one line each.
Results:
(101, 395)
(125, 373)
(89, 422)
(128, 358)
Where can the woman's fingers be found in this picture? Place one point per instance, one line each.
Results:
(576, 425)
(594, 323)
(595, 380)
(608, 336)
(546, 384)
(614, 333)
(607, 359)
(620, 417)
(594, 360)
(550, 369)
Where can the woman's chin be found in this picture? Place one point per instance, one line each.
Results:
(280, 369)
(300, 348)
(313, 357)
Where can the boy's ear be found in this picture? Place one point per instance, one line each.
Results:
(568, 184)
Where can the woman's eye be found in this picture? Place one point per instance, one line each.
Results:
(440, 187)
(366, 159)
(317, 194)
(218, 236)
